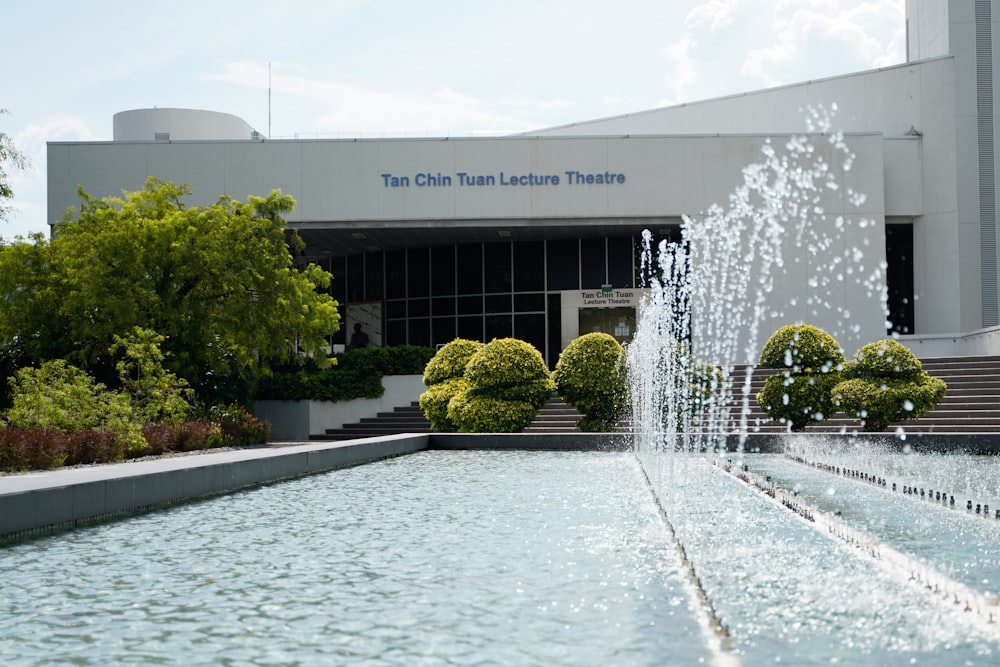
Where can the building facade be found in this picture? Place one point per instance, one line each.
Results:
(538, 235)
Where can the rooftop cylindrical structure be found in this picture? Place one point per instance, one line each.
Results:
(166, 124)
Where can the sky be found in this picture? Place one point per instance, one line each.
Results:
(349, 68)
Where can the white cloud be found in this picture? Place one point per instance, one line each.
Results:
(714, 14)
(833, 36)
(730, 46)
(350, 108)
(29, 204)
(682, 68)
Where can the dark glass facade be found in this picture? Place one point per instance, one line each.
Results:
(481, 291)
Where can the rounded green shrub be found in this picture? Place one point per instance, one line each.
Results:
(510, 369)
(885, 384)
(434, 402)
(798, 399)
(802, 348)
(589, 376)
(886, 358)
(810, 361)
(484, 414)
(443, 376)
(450, 361)
(507, 382)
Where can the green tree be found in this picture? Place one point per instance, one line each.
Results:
(10, 157)
(216, 281)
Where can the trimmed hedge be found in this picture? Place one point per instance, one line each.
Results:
(798, 399)
(450, 361)
(510, 369)
(810, 361)
(885, 384)
(443, 376)
(507, 383)
(802, 348)
(356, 374)
(590, 376)
(483, 414)
(434, 402)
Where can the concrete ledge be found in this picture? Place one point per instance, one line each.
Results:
(50, 501)
(45, 502)
(617, 442)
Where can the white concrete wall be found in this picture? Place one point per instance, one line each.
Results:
(664, 177)
(984, 342)
(342, 180)
(297, 420)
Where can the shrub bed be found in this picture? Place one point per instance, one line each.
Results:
(355, 374)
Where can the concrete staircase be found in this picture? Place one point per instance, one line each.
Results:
(972, 404)
(406, 419)
(556, 416)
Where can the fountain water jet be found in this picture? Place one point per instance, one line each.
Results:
(697, 330)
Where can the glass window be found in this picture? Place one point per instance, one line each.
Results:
(355, 278)
(417, 271)
(592, 262)
(497, 326)
(442, 330)
(420, 331)
(374, 281)
(395, 274)
(497, 303)
(471, 328)
(395, 332)
(338, 284)
(470, 268)
(419, 308)
(443, 270)
(340, 336)
(531, 329)
(529, 266)
(555, 329)
(620, 254)
(443, 305)
(496, 266)
(395, 309)
(563, 263)
(470, 305)
(529, 303)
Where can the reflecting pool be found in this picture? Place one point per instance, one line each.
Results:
(485, 557)
(433, 558)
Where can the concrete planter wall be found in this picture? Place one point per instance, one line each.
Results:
(297, 420)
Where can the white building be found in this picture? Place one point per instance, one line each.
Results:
(536, 235)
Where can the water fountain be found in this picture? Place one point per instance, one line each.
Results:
(828, 555)
(831, 555)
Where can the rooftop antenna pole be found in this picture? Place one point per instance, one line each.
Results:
(269, 100)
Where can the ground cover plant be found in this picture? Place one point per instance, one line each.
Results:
(60, 415)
